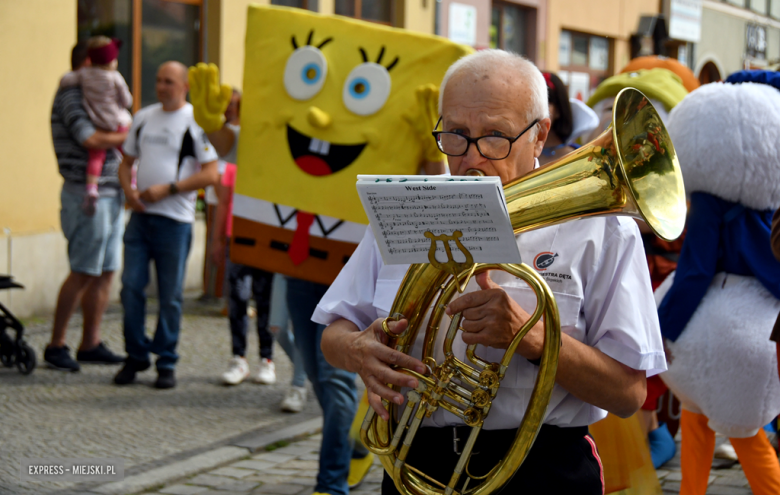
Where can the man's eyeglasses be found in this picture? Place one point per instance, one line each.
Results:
(491, 147)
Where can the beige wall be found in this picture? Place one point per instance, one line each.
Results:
(40, 263)
(617, 19)
(36, 37)
(226, 32)
(327, 7)
(419, 15)
(723, 40)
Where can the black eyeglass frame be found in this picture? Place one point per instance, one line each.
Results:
(470, 140)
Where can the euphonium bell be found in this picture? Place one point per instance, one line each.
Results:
(631, 169)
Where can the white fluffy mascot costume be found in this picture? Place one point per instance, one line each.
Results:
(717, 311)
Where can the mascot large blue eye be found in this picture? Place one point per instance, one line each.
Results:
(305, 73)
(359, 88)
(366, 89)
(311, 73)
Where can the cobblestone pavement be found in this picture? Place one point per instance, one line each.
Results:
(291, 470)
(56, 414)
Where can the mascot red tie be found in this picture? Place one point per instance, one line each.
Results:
(299, 249)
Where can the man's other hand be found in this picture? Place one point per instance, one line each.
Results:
(134, 200)
(155, 193)
(373, 360)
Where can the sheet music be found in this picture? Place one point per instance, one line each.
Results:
(401, 209)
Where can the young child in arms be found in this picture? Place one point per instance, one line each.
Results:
(106, 99)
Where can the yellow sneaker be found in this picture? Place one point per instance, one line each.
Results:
(358, 469)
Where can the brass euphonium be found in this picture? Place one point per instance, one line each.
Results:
(631, 169)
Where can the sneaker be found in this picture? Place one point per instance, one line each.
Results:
(294, 400)
(99, 355)
(662, 446)
(132, 366)
(165, 379)
(358, 469)
(238, 369)
(725, 451)
(267, 373)
(58, 358)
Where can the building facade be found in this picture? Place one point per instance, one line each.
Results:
(36, 39)
(736, 35)
(587, 41)
(583, 41)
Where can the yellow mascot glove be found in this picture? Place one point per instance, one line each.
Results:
(209, 98)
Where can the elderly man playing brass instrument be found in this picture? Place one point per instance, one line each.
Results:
(495, 119)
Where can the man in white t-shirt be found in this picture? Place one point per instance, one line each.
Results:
(495, 118)
(175, 159)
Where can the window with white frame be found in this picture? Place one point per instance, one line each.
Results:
(584, 62)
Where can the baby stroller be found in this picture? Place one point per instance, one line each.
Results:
(14, 350)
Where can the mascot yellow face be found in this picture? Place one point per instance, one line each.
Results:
(328, 98)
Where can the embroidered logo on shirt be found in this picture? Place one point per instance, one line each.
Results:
(543, 260)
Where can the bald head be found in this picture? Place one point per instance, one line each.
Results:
(495, 93)
(175, 69)
(514, 73)
(172, 85)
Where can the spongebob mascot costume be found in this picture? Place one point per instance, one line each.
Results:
(722, 301)
(325, 98)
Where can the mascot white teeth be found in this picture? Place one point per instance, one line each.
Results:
(718, 309)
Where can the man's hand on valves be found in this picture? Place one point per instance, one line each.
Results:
(491, 318)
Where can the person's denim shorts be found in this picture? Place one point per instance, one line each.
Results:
(94, 242)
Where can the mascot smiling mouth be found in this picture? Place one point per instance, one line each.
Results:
(317, 157)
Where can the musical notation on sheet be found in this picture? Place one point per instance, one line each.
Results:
(401, 209)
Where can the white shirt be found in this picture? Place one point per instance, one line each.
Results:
(170, 147)
(602, 286)
(232, 155)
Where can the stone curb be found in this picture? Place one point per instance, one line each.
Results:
(208, 460)
(256, 442)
